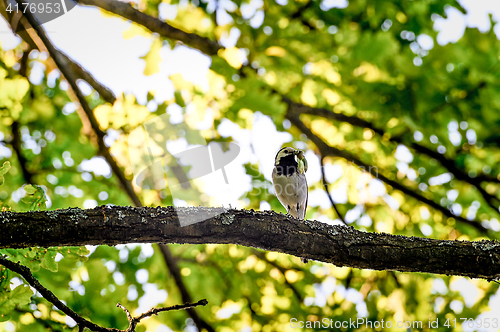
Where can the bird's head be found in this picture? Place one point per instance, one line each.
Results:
(286, 152)
(288, 156)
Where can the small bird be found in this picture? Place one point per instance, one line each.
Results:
(290, 182)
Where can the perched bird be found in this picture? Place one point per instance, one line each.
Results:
(290, 182)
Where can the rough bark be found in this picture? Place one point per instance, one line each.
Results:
(339, 245)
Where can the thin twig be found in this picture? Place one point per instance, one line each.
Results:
(156, 311)
(15, 128)
(127, 312)
(133, 321)
(325, 185)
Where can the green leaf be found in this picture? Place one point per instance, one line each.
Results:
(3, 170)
(30, 189)
(4, 277)
(31, 257)
(36, 197)
(79, 253)
(21, 295)
(49, 261)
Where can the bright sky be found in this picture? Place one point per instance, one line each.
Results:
(101, 49)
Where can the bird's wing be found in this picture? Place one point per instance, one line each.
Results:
(303, 196)
(278, 183)
(307, 199)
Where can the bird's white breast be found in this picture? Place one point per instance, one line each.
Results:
(291, 190)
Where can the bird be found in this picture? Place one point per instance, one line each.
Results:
(290, 182)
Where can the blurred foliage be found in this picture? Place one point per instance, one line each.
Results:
(376, 60)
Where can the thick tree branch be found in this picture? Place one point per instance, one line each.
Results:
(327, 150)
(268, 230)
(153, 24)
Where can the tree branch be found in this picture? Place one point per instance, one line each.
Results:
(153, 24)
(268, 230)
(156, 311)
(16, 145)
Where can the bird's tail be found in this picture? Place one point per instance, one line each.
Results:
(299, 213)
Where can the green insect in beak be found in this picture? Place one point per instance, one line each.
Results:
(302, 161)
